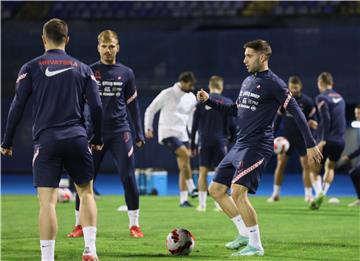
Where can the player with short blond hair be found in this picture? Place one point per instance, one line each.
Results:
(118, 93)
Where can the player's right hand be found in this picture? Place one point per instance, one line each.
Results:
(194, 152)
(202, 96)
(314, 155)
(345, 158)
(140, 143)
(6, 152)
(321, 145)
(149, 134)
(96, 147)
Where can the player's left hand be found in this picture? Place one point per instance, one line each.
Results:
(6, 152)
(314, 155)
(312, 124)
(149, 134)
(96, 147)
(140, 143)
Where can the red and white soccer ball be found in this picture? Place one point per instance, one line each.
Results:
(180, 242)
(281, 145)
(64, 195)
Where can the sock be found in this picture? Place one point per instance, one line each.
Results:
(133, 217)
(47, 250)
(317, 186)
(190, 184)
(240, 225)
(254, 237)
(202, 199)
(77, 220)
(276, 190)
(326, 187)
(308, 192)
(183, 196)
(90, 238)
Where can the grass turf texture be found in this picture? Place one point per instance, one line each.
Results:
(289, 230)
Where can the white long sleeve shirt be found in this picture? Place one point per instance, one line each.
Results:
(176, 111)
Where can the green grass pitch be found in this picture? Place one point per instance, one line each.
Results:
(289, 230)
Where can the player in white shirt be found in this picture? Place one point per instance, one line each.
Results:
(176, 105)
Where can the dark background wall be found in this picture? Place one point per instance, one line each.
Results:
(158, 50)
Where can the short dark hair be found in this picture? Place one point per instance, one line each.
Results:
(187, 77)
(216, 81)
(260, 45)
(326, 78)
(56, 30)
(295, 80)
(357, 106)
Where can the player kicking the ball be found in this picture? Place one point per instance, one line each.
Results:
(176, 105)
(332, 126)
(261, 95)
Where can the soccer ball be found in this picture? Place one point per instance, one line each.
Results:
(180, 242)
(64, 195)
(281, 145)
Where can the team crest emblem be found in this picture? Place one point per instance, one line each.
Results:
(126, 137)
(97, 75)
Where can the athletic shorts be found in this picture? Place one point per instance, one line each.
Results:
(243, 166)
(174, 143)
(211, 156)
(73, 155)
(298, 144)
(121, 149)
(333, 150)
(355, 170)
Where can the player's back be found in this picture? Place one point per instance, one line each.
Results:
(336, 106)
(213, 125)
(58, 83)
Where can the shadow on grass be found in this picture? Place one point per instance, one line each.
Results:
(305, 211)
(284, 257)
(316, 244)
(152, 256)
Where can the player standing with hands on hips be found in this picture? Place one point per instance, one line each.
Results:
(261, 95)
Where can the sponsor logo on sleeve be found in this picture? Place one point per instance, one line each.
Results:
(21, 77)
